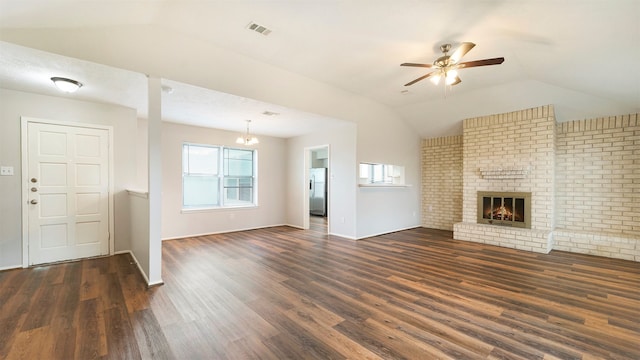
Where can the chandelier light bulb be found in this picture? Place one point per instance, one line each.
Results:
(247, 139)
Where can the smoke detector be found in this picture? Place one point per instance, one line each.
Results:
(259, 28)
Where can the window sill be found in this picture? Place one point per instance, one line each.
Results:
(214, 209)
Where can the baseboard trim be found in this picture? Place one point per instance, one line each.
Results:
(226, 231)
(388, 232)
(11, 267)
(343, 236)
(135, 260)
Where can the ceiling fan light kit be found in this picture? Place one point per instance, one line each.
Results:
(446, 66)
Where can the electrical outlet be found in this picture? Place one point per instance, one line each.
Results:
(6, 170)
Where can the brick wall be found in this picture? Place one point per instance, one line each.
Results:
(518, 140)
(442, 182)
(598, 186)
(584, 177)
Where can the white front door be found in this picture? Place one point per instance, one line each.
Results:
(68, 192)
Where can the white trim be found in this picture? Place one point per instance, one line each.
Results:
(344, 236)
(11, 267)
(138, 193)
(135, 260)
(389, 232)
(229, 231)
(24, 122)
(214, 209)
(288, 225)
(306, 163)
(25, 175)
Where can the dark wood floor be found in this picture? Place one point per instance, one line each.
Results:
(284, 293)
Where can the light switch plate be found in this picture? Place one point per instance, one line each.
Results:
(6, 170)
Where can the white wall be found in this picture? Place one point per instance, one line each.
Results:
(272, 190)
(15, 104)
(139, 231)
(382, 136)
(385, 139)
(342, 178)
(142, 151)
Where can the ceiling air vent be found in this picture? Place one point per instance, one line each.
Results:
(258, 28)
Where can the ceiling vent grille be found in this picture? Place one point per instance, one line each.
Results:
(259, 28)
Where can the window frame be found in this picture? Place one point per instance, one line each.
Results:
(221, 177)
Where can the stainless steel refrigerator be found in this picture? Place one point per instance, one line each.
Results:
(318, 191)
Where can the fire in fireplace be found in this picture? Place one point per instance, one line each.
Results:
(504, 208)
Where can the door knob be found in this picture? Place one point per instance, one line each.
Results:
(34, 189)
(34, 180)
(34, 201)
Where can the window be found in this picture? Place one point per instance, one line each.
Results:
(216, 176)
(381, 174)
(238, 177)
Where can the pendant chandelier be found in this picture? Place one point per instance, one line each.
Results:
(247, 139)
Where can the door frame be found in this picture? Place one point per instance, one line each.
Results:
(24, 123)
(307, 177)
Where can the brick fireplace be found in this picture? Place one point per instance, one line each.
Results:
(509, 153)
(582, 178)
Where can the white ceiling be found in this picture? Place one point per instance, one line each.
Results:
(580, 55)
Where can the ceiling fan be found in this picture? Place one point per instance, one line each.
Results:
(446, 66)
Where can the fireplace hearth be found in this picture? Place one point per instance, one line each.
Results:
(504, 209)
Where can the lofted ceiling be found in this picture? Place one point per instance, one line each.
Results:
(579, 55)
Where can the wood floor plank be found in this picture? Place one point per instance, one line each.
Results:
(40, 313)
(89, 339)
(9, 328)
(286, 293)
(318, 327)
(152, 341)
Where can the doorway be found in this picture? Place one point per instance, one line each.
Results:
(66, 172)
(317, 189)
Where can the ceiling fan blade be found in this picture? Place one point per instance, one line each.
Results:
(417, 65)
(456, 81)
(421, 78)
(461, 51)
(485, 62)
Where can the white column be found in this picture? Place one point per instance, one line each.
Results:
(155, 180)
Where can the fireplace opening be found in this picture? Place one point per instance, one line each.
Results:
(504, 208)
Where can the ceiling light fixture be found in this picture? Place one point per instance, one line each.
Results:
(66, 85)
(247, 139)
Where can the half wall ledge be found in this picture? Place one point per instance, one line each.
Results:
(618, 246)
(540, 241)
